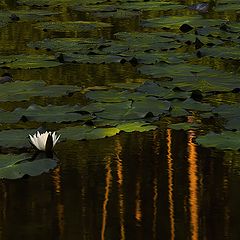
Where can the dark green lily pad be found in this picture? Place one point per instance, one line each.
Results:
(26, 15)
(224, 140)
(114, 96)
(46, 3)
(76, 26)
(15, 138)
(135, 127)
(23, 90)
(118, 14)
(151, 6)
(8, 117)
(190, 104)
(87, 132)
(131, 110)
(222, 52)
(95, 58)
(175, 22)
(50, 113)
(227, 6)
(16, 166)
(28, 61)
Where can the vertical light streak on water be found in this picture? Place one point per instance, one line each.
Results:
(193, 185)
(156, 143)
(108, 183)
(56, 179)
(170, 183)
(118, 149)
(138, 211)
(155, 197)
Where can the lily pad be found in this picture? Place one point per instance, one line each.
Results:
(131, 110)
(74, 26)
(135, 127)
(17, 138)
(224, 140)
(222, 52)
(50, 113)
(17, 166)
(87, 132)
(151, 6)
(175, 22)
(28, 61)
(23, 90)
(25, 15)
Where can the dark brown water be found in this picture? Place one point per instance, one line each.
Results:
(154, 185)
(158, 185)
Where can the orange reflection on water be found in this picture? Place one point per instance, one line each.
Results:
(56, 179)
(118, 149)
(170, 183)
(138, 211)
(108, 180)
(193, 185)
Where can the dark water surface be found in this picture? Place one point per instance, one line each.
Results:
(157, 185)
(153, 185)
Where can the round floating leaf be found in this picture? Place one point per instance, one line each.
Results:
(25, 15)
(119, 14)
(87, 132)
(135, 126)
(23, 90)
(224, 140)
(175, 22)
(28, 61)
(151, 6)
(15, 138)
(134, 109)
(46, 3)
(16, 166)
(222, 52)
(75, 26)
(51, 113)
(190, 104)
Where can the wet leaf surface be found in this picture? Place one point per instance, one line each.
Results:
(17, 166)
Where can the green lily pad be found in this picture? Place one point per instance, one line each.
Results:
(224, 140)
(75, 26)
(23, 90)
(95, 58)
(15, 138)
(50, 113)
(87, 132)
(16, 166)
(131, 110)
(26, 15)
(190, 104)
(114, 96)
(118, 14)
(222, 52)
(46, 3)
(153, 89)
(175, 22)
(151, 6)
(28, 61)
(135, 126)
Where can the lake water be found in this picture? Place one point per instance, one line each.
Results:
(153, 185)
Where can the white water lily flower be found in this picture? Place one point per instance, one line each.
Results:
(44, 141)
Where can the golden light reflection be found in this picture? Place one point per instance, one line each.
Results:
(118, 150)
(56, 179)
(170, 183)
(108, 181)
(138, 211)
(155, 197)
(193, 185)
